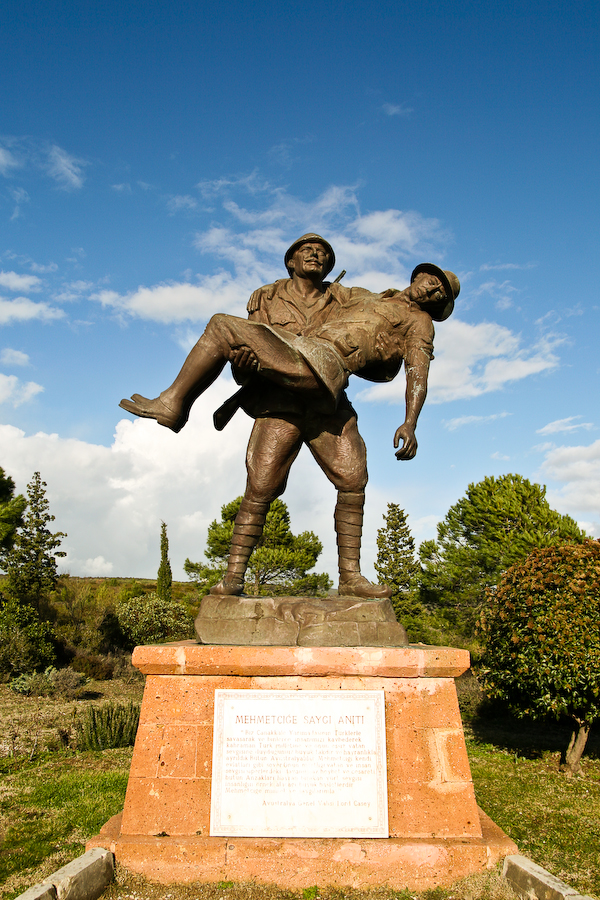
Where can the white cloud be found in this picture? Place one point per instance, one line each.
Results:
(453, 424)
(488, 267)
(66, 170)
(22, 309)
(567, 425)
(179, 201)
(498, 455)
(371, 247)
(15, 392)
(578, 470)
(472, 360)
(15, 282)
(8, 161)
(111, 500)
(20, 196)
(181, 302)
(396, 109)
(124, 188)
(10, 357)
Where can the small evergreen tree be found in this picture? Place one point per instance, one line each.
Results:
(31, 563)
(279, 563)
(11, 514)
(396, 565)
(164, 579)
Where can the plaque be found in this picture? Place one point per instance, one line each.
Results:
(299, 764)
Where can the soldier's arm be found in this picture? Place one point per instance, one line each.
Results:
(417, 357)
(258, 300)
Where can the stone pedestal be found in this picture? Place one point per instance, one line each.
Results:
(437, 833)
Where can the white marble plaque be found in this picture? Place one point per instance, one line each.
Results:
(299, 764)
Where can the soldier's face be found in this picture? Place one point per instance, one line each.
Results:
(309, 260)
(427, 290)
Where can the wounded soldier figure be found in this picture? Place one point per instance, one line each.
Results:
(293, 357)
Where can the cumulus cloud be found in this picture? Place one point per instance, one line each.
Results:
(577, 469)
(567, 425)
(111, 500)
(374, 247)
(460, 421)
(14, 282)
(66, 170)
(16, 392)
(472, 360)
(22, 309)
(10, 357)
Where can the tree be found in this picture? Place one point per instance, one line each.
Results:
(396, 565)
(279, 563)
(542, 639)
(164, 579)
(495, 525)
(31, 563)
(11, 513)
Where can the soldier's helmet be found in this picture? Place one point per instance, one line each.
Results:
(311, 239)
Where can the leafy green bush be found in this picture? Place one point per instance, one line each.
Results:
(150, 620)
(26, 643)
(65, 683)
(108, 726)
(542, 638)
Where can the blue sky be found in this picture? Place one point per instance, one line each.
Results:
(157, 159)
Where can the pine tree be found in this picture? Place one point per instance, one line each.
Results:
(31, 563)
(164, 579)
(496, 524)
(11, 513)
(279, 563)
(396, 564)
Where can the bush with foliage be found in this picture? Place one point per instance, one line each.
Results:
(150, 620)
(65, 683)
(542, 639)
(279, 563)
(108, 726)
(26, 643)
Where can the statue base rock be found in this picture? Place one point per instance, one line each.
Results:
(299, 621)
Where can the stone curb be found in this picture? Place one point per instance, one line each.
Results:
(85, 878)
(534, 883)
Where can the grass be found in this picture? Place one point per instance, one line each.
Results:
(52, 801)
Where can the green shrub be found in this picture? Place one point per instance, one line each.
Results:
(64, 683)
(108, 726)
(150, 620)
(94, 666)
(26, 643)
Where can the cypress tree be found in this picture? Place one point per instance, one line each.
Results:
(164, 579)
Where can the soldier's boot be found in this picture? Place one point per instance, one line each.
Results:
(348, 527)
(171, 408)
(248, 527)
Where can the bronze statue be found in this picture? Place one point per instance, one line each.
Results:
(293, 356)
